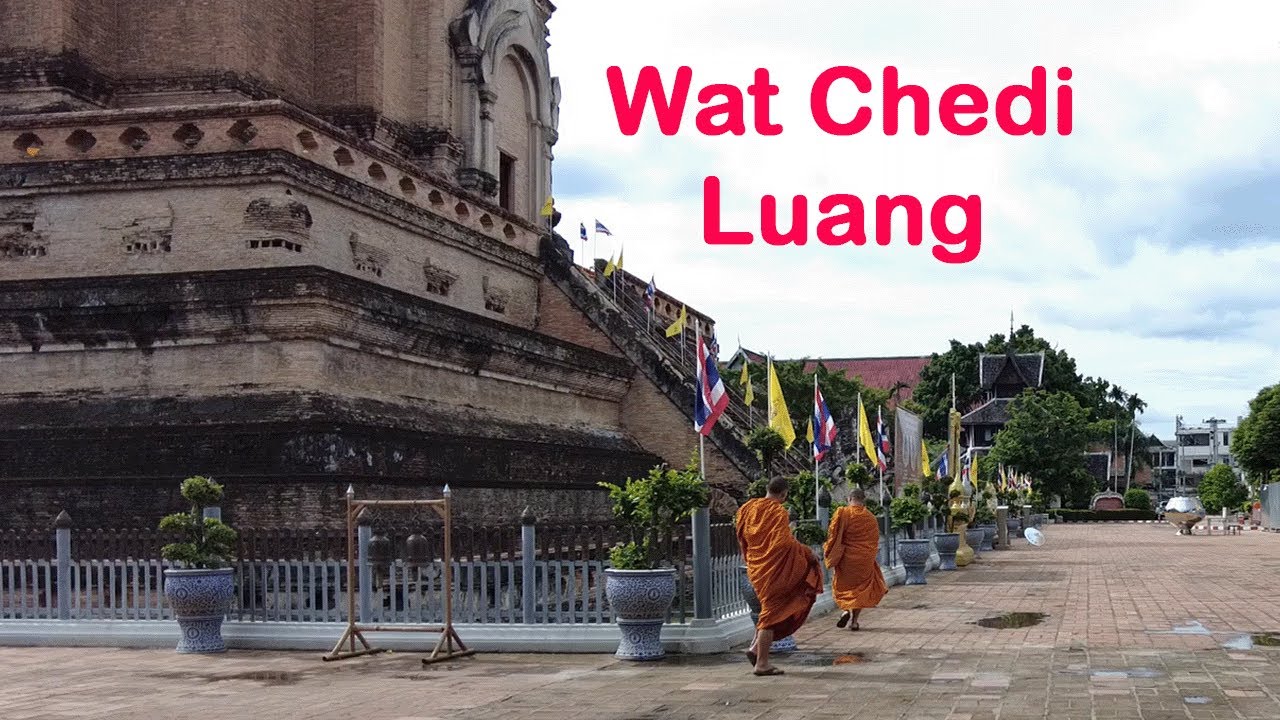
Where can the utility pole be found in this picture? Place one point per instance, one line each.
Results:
(1213, 423)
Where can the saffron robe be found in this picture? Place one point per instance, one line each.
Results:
(784, 572)
(850, 551)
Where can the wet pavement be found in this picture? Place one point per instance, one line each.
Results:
(1104, 621)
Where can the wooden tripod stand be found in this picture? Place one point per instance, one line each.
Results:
(450, 645)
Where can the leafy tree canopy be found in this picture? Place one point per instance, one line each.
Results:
(1256, 443)
(1047, 431)
(1220, 488)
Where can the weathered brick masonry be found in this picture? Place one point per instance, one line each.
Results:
(296, 245)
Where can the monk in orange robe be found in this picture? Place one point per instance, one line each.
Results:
(784, 572)
(850, 551)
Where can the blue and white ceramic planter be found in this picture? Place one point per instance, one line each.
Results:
(988, 536)
(640, 600)
(974, 537)
(780, 645)
(200, 600)
(947, 544)
(915, 557)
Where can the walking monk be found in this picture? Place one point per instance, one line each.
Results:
(785, 574)
(850, 551)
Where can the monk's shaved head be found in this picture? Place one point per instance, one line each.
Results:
(778, 486)
(858, 495)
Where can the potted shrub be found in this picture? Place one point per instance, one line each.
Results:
(984, 518)
(638, 588)
(201, 588)
(907, 512)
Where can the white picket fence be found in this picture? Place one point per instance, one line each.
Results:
(566, 592)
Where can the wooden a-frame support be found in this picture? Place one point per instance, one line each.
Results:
(449, 646)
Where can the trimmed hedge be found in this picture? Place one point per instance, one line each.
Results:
(1102, 515)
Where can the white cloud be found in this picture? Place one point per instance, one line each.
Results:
(1078, 230)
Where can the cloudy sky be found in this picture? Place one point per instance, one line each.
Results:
(1146, 243)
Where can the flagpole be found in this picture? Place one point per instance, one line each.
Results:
(817, 429)
(857, 435)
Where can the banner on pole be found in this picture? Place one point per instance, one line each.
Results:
(909, 430)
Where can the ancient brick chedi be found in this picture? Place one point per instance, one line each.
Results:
(295, 245)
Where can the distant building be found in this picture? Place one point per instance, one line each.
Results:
(883, 373)
(1001, 377)
(1199, 447)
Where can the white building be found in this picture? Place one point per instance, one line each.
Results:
(1200, 447)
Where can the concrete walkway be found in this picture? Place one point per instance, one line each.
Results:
(1140, 624)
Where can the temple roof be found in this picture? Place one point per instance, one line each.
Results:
(992, 412)
(877, 372)
(1028, 367)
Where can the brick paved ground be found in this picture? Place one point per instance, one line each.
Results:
(1141, 624)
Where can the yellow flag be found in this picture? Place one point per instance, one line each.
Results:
(924, 459)
(677, 327)
(745, 382)
(608, 269)
(864, 434)
(808, 431)
(779, 418)
(548, 208)
(620, 257)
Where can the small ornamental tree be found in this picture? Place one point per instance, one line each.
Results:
(651, 507)
(208, 544)
(1137, 499)
(767, 445)
(1220, 488)
(907, 511)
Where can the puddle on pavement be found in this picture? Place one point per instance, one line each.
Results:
(1013, 620)
(1196, 700)
(1266, 640)
(1124, 674)
(1242, 642)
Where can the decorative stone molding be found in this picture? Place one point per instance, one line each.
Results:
(495, 299)
(277, 223)
(19, 238)
(367, 258)
(439, 280)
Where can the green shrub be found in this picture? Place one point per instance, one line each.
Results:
(907, 511)
(652, 506)
(1137, 499)
(209, 543)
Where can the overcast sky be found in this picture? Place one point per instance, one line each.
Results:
(1146, 243)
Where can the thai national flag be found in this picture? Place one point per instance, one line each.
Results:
(600, 228)
(966, 464)
(649, 292)
(710, 399)
(944, 467)
(882, 442)
(713, 345)
(582, 231)
(824, 435)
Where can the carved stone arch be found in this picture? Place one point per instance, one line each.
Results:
(486, 34)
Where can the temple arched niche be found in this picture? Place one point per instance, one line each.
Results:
(508, 102)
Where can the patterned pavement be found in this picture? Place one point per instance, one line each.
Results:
(1140, 624)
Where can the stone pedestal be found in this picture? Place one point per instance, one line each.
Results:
(1002, 528)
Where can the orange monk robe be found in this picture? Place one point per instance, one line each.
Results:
(785, 574)
(852, 543)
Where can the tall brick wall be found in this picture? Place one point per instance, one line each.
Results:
(514, 113)
(559, 318)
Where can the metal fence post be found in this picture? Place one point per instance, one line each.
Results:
(62, 539)
(528, 570)
(824, 523)
(364, 532)
(702, 564)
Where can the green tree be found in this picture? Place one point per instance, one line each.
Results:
(1220, 488)
(651, 507)
(1256, 443)
(932, 395)
(208, 542)
(1137, 499)
(1046, 436)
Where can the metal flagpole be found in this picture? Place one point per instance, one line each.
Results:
(857, 435)
(1128, 475)
(813, 449)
